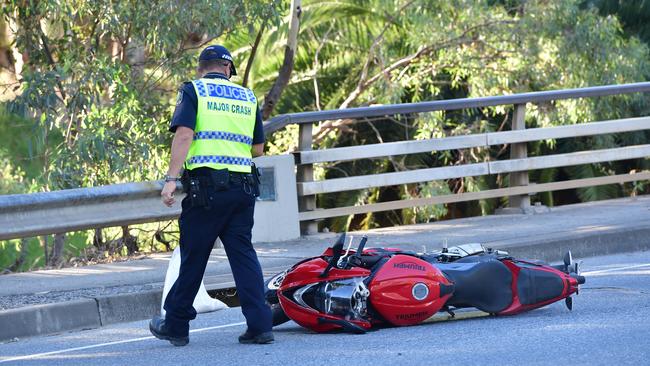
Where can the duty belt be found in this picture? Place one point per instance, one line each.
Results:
(206, 172)
(219, 179)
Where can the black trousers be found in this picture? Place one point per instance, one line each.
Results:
(230, 218)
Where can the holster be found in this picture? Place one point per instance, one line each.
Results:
(197, 193)
(255, 181)
(185, 181)
(192, 188)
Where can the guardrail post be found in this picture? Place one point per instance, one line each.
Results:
(306, 174)
(519, 151)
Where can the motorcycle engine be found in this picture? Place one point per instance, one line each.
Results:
(347, 298)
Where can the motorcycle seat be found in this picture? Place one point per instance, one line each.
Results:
(485, 285)
(534, 286)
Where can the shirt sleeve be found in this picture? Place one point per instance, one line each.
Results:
(186, 106)
(258, 132)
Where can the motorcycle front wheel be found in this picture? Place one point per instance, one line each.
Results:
(271, 295)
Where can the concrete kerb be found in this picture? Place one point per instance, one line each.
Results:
(90, 313)
(582, 245)
(93, 313)
(49, 318)
(143, 305)
(128, 307)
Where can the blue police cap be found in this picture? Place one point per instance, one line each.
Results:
(218, 52)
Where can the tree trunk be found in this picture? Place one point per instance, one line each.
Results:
(98, 239)
(129, 241)
(57, 251)
(160, 237)
(115, 50)
(135, 57)
(5, 46)
(271, 99)
(251, 58)
(10, 58)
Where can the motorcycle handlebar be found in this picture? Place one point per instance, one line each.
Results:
(364, 239)
(336, 254)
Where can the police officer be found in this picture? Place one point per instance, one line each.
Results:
(217, 130)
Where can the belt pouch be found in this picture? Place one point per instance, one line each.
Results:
(254, 183)
(256, 173)
(220, 179)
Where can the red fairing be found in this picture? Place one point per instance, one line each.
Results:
(307, 273)
(406, 290)
(308, 318)
(570, 286)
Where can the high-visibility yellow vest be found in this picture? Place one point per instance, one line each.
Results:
(225, 120)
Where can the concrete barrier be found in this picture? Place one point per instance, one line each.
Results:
(277, 220)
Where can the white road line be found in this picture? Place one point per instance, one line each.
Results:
(614, 269)
(37, 355)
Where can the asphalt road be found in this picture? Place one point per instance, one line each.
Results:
(609, 324)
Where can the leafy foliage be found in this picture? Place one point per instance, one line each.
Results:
(101, 75)
(378, 52)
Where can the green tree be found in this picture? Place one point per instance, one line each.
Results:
(101, 76)
(633, 15)
(355, 53)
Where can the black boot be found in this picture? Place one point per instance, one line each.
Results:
(160, 330)
(262, 338)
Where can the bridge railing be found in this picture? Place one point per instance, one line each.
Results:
(135, 203)
(518, 165)
(309, 188)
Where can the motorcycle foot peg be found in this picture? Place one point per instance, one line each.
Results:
(450, 312)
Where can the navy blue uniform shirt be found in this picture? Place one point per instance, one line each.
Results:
(186, 106)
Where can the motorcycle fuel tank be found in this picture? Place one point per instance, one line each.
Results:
(407, 290)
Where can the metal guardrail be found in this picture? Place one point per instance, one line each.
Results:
(135, 203)
(28, 215)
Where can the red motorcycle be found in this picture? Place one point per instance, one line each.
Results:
(355, 290)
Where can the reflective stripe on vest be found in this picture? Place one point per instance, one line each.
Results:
(225, 120)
